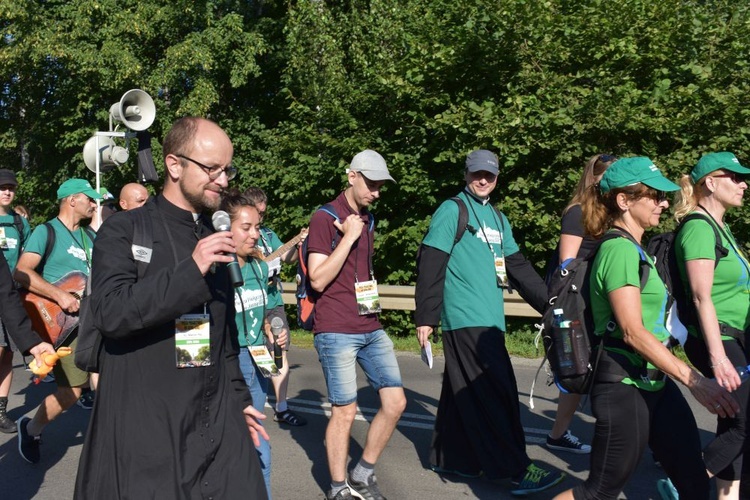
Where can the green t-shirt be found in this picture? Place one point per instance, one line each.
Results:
(268, 242)
(253, 293)
(471, 296)
(617, 264)
(72, 250)
(10, 240)
(730, 292)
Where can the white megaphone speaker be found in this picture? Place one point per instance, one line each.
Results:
(110, 155)
(135, 110)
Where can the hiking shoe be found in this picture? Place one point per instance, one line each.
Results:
(7, 425)
(28, 446)
(667, 490)
(568, 442)
(86, 401)
(343, 494)
(535, 480)
(469, 475)
(289, 417)
(365, 491)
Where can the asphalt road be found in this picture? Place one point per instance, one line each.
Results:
(299, 463)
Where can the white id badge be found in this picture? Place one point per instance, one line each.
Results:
(368, 300)
(192, 338)
(263, 360)
(500, 273)
(3, 239)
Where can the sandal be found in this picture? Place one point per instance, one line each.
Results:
(289, 417)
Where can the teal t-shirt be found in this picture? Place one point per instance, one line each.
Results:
(471, 296)
(269, 242)
(616, 265)
(10, 239)
(72, 250)
(730, 292)
(254, 299)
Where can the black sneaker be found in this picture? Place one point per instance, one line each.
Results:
(568, 442)
(535, 480)
(7, 425)
(289, 417)
(343, 494)
(365, 491)
(28, 446)
(86, 401)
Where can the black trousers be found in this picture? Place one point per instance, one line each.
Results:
(478, 425)
(629, 419)
(724, 454)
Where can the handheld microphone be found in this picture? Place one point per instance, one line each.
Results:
(221, 222)
(276, 326)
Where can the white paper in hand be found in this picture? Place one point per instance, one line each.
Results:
(427, 354)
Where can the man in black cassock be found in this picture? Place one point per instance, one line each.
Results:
(159, 430)
(460, 283)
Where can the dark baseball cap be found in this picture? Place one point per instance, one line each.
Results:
(482, 160)
(7, 177)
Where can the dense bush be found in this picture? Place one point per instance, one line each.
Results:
(303, 86)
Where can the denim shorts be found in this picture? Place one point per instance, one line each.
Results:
(338, 352)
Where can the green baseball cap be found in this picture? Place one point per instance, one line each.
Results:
(628, 171)
(717, 161)
(75, 186)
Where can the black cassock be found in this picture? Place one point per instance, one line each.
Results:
(157, 431)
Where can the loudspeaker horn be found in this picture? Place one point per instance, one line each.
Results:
(136, 110)
(110, 155)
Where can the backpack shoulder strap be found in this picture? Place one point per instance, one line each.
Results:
(328, 208)
(50, 244)
(18, 223)
(463, 219)
(644, 265)
(719, 249)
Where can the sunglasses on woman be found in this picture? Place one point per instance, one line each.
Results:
(736, 178)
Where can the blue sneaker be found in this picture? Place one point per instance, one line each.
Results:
(534, 480)
(666, 489)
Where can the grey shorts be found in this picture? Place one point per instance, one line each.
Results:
(5, 341)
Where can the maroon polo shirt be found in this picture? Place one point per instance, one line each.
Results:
(336, 308)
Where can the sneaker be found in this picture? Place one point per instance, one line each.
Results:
(365, 491)
(469, 475)
(535, 480)
(7, 425)
(86, 401)
(568, 442)
(343, 494)
(28, 446)
(289, 417)
(667, 490)
(49, 378)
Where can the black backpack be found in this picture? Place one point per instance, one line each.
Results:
(661, 247)
(306, 296)
(572, 349)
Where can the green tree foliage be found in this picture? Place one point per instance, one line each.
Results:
(303, 86)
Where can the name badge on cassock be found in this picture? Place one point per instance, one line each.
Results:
(192, 338)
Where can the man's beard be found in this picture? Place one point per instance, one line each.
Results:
(199, 202)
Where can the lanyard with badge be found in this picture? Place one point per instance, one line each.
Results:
(261, 357)
(368, 300)
(501, 273)
(192, 332)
